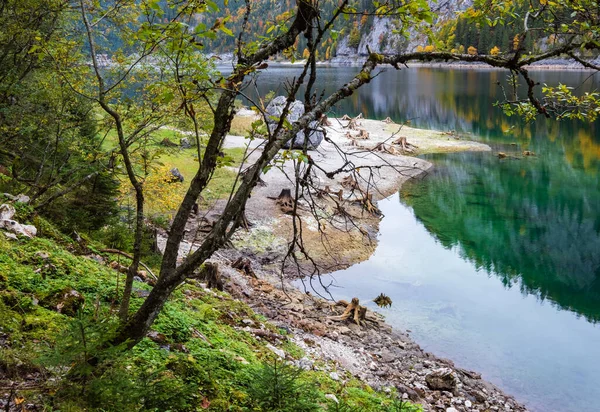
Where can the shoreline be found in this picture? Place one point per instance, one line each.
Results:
(357, 61)
(374, 352)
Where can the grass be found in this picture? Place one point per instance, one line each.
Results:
(164, 200)
(201, 358)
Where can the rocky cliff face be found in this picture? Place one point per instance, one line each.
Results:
(381, 36)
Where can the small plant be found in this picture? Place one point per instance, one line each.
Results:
(277, 387)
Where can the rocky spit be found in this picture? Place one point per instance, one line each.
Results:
(373, 352)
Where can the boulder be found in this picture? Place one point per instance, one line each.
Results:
(441, 379)
(176, 175)
(185, 143)
(6, 212)
(295, 111)
(15, 227)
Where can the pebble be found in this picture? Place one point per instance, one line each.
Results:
(468, 403)
(334, 376)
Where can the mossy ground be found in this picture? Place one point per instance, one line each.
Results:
(202, 359)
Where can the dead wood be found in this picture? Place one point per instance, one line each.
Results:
(406, 147)
(346, 117)
(205, 225)
(368, 205)
(350, 183)
(168, 143)
(324, 121)
(386, 148)
(383, 301)
(128, 256)
(285, 201)
(352, 124)
(353, 310)
(362, 134)
(244, 265)
(209, 273)
(360, 116)
(321, 193)
(388, 120)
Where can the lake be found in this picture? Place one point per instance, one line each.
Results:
(493, 263)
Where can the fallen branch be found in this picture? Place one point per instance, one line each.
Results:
(128, 256)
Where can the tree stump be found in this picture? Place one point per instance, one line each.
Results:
(406, 147)
(167, 143)
(285, 201)
(353, 310)
(209, 273)
(324, 121)
(244, 265)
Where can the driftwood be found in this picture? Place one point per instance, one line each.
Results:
(383, 301)
(406, 147)
(346, 117)
(348, 135)
(388, 120)
(353, 310)
(128, 256)
(244, 265)
(360, 116)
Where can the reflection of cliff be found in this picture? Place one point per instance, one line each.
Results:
(533, 223)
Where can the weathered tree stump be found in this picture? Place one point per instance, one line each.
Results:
(406, 147)
(324, 121)
(353, 310)
(168, 143)
(350, 183)
(362, 134)
(244, 265)
(209, 273)
(285, 201)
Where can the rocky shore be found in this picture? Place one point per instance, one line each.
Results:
(372, 351)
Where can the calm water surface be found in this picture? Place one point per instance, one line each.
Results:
(492, 263)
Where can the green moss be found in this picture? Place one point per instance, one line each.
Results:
(203, 355)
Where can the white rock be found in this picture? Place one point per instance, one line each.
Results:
(451, 410)
(468, 403)
(334, 376)
(6, 212)
(11, 236)
(332, 397)
(276, 351)
(21, 198)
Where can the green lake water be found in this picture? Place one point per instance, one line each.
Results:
(493, 263)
